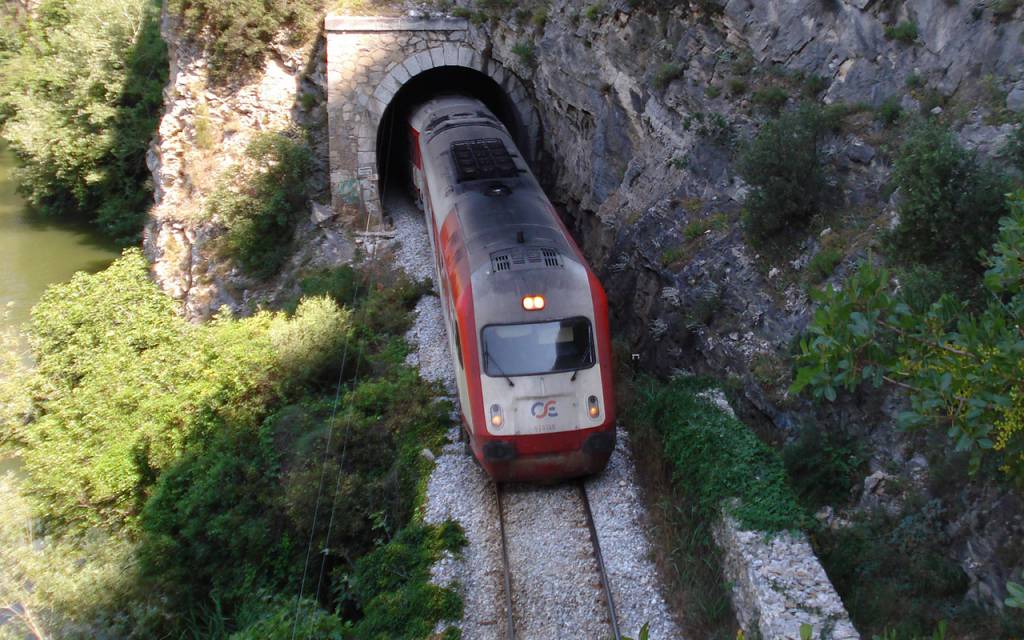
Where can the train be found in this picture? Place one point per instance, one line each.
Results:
(526, 317)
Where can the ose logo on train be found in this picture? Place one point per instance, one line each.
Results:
(541, 410)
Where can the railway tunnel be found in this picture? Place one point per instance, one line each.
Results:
(378, 69)
(393, 163)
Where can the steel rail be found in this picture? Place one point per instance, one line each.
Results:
(510, 620)
(600, 561)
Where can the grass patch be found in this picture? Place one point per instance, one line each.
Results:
(771, 99)
(238, 34)
(698, 228)
(717, 457)
(526, 53)
(539, 18)
(737, 86)
(672, 255)
(824, 263)
(905, 32)
(890, 111)
(687, 558)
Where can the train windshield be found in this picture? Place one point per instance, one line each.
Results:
(537, 347)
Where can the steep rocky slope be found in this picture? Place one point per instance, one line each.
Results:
(204, 131)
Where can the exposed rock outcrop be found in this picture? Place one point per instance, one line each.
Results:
(203, 132)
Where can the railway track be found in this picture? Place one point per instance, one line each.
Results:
(512, 629)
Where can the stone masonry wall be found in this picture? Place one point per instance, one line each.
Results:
(369, 59)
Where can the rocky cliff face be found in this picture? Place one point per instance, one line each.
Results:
(641, 115)
(204, 131)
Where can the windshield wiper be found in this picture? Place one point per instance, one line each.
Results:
(576, 372)
(487, 357)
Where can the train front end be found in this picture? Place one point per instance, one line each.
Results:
(545, 378)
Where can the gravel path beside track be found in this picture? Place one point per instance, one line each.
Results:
(556, 589)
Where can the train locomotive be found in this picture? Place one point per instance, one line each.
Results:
(527, 320)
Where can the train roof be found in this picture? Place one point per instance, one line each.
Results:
(505, 218)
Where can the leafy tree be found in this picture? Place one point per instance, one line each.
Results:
(951, 201)
(128, 384)
(81, 88)
(261, 200)
(962, 370)
(785, 188)
(193, 454)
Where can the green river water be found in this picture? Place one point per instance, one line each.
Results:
(36, 252)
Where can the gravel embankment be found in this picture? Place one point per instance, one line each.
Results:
(620, 517)
(556, 589)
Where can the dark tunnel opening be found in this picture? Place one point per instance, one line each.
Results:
(393, 132)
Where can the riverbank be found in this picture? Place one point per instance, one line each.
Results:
(36, 251)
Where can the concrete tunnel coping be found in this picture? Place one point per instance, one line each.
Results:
(374, 100)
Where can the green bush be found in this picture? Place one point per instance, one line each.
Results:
(201, 449)
(814, 84)
(771, 99)
(824, 263)
(824, 466)
(81, 89)
(539, 18)
(391, 586)
(123, 403)
(905, 32)
(890, 111)
(261, 200)
(526, 52)
(666, 74)
(785, 188)
(594, 12)
(212, 512)
(718, 459)
(960, 369)
(737, 86)
(1015, 148)
(893, 572)
(275, 619)
(951, 201)
(238, 34)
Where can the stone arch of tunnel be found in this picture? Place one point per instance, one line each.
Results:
(393, 133)
(378, 66)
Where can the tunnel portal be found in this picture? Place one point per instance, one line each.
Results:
(377, 70)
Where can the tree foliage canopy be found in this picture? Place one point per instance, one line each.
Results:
(951, 201)
(131, 384)
(81, 88)
(962, 370)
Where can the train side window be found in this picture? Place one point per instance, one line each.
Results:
(458, 341)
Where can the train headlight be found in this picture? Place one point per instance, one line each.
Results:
(497, 419)
(533, 303)
(593, 407)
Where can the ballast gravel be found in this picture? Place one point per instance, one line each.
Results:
(555, 585)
